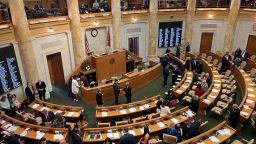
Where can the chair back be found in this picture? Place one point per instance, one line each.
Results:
(169, 139)
(202, 126)
(209, 59)
(103, 124)
(243, 64)
(203, 55)
(155, 115)
(118, 123)
(228, 73)
(253, 57)
(215, 62)
(139, 119)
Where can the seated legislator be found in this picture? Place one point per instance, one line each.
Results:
(127, 138)
(59, 121)
(145, 137)
(47, 117)
(5, 105)
(199, 91)
(164, 109)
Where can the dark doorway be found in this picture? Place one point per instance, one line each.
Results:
(206, 42)
(134, 45)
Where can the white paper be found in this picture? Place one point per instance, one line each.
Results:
(251, 95)
(39, 135)
(184, 86)
(189, 113)
(58, 137)
(14, 128)
(190, 78)
(249, 101)
(123, 111)
(142, 130)
(246, 107)
(215, 90)
(188, 81)
(141, 107)
(110, 135)
(179, 76)
(10, 128)
(3, 121)
(178, 79)
(132, 132)
(217, 81)
(217, 85)
(251, 84)
(211, 96)
(175, 121)
(250, 89)
(7, 126)
(70, 113)
(178, 91)
(146, 106)
(160, 124)
(132, 109)
(227, 131)
(24, 133)
(58, 111)
(214, 139)
(104, 114)
(244, 113)
(206, 100)
(35, 106)
(116, 135)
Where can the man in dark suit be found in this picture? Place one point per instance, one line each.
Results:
(99, 97)
(166, 72)
(234, 115)
(176, 73)
(30, 92)
(225, 62)
(188, 47)
(128, 92)
(116, 88)
(194, 63)
(76, 136)
(47, 117)
(40, 86)
(237, 53)
(245, 55)
(127, 138)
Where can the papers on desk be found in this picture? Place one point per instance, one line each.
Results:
(2, 121)
(7, 126)
(58, 111)
(247, 79)
(249, 101)
(184, 86)
(58, 137)
(142, 130)
(211, 96)
(132, 132)
(190, 78)
(188, 81)
(250, 89)
(146, 106)
(251, 84)
(200, 143)
(35, 106)
(246, 107)
(175, 121)
(113, 135)
(70, 114)
(214, 139)
(132, 109)
(178, 79)
(24, 133)
(160, 124)
(244, 113)
(39, 135)
(217, 81)
(216, 76)
(206, 101)
(178, 91)
(141, 107)
(224, 132)
(251, 95)
(14, 128)
(217, 85)
(104, 114)
(215, 90)
(46, 108)
(189, 113)
(179, 76)
(123, 111)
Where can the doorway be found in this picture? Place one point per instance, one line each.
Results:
(251, 45)
(56, 69)
(206, 41)
(134, 45)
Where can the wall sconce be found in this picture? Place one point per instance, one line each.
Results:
(50, 30)
(134, 19)
(95, 23)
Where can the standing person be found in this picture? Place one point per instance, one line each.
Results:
(145, 137)
(188, 47)
(128, 92)
(178, 50)
(76, 136)
(116, 88)
(70, 87)
(194, 103)
(127, 138)
(234, 115)
(176, 73)
(237, 53)
(187, 64)
(225, 62)
(75, 88)
(99, 97)
(40, 86)
(194, 64)
(167, 51)
(245, 55)
(84, 80)
(30, 92)
(166, 73)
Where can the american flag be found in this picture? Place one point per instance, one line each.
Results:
(87, 47)
(108, 38)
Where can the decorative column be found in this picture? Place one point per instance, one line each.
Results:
(191, 9)
(23, 36)
(76, 32)
(232, 20)
(153, 9)
(116, 23)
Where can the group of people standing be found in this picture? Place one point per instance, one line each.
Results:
(41, 90)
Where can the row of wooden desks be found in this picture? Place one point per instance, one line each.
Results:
(215, 135)
(126, 110)
(98, 135)
(69, 112)
(184, 84)
(30, 131)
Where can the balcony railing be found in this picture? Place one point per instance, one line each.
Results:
(213, 3)
(134, 5)
(172, 4)
(91, 6)
(248, 4)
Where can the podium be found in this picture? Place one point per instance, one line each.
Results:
(109, 65)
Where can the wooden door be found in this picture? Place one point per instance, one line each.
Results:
(56, 69)
(134, 45)
(251, 45)
(206, 41)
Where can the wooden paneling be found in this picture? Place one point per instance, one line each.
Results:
(56, 69)
(6, 34)
(206, 42)
(109, 65)
(251, 45)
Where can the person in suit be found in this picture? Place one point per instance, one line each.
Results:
(237, 53)
(40, 86)
(84, 80)
(178, 50)
(176, 73)
(30, 92)
(167, 51)
(188, 47)
(99, 97)
(194, 63)
(166, 72)
(233, 116)
(76, 136)
(225, 62)
(194, 128)
(208, 79)
(127, 138)
(172, 131)
(245, 55)
(128, 92)
(187, 64)
(116, 88)
(199, 69)
(47, 117)
(194, 105)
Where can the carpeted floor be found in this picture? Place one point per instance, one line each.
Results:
(60, 96)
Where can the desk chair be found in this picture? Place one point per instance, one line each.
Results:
(253, 57)
(169, 139)
(209, 59)
(203, 55)
(243, 64)
(139, 119)
(154, 115)
(243, 141)
(215, 62)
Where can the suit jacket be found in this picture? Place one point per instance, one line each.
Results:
(41, 85)
(99, 98)
(187, 64)
(76, 139)
(116, 88)
(238, 53)
(245, 55)
(30, 93)
(127, 139)
(128, 91)
(194, 64)
(225, 60)
(49, 118)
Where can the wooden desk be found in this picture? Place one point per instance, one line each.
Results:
(132, 109)
(69, 112)
(214, 133)
(155, 126)
(184, 84)
(139, 80)
(19, 127)
(109, 65)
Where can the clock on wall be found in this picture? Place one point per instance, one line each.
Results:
(94, 32)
